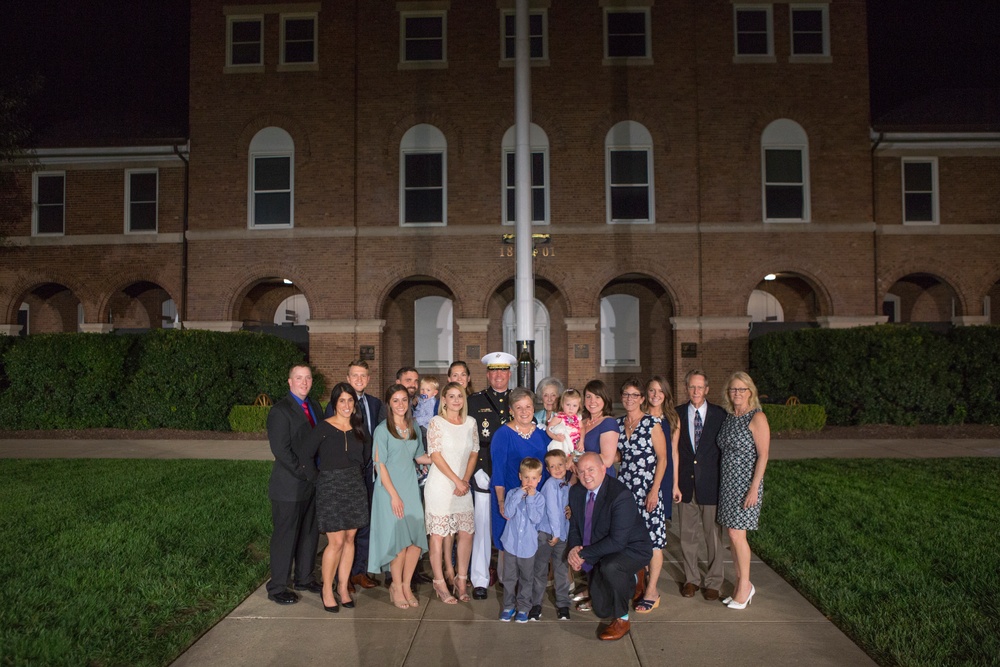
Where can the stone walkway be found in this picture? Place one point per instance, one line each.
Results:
(779, 628)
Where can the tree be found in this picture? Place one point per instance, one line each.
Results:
(16, 162)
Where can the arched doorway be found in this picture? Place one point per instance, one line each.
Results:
(419, 328)
(141, 306)
(637, 337)
(784, 301)
(921, 298)
(542, 337)
(50, 308)
(275, 305)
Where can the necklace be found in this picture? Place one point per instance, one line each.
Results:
(525, 436)
(403, 431)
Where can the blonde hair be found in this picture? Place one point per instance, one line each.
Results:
(570, 393)
(431, 381)
(443, 409)
(530, 464)
(753, 401)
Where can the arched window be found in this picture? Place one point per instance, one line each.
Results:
(272, 179)
(629, 173)
(539, 144)
(433, 333)
(785, 169)
(423, 177)
(619, 331)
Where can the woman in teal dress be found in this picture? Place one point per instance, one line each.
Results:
(397, 526)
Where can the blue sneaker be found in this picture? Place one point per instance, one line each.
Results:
(507, 615)
(522, 617)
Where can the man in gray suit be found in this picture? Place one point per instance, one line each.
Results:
(293, 511)
(698, 477)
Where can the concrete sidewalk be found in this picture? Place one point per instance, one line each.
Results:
(779, 628)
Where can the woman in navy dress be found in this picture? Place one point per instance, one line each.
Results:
(600, 428)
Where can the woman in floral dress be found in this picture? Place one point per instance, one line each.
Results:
(643, 450)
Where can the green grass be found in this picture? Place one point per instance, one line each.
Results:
(125, 562)
(903, 555)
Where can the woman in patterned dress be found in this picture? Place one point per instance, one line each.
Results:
(453, 445)
(643, 449)
(659, 405)
(744, 440)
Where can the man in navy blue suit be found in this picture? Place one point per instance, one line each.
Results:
(698, 477)
(358, 374)
(608, 538)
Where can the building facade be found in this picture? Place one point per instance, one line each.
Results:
(704, 170)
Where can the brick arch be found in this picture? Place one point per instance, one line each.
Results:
(928, 266)
(452, 134)
(549, 124)
(268, 119)
(24, 285)
(741, 292)
(592, 297)
(397, 276)
(244, 281)
(121, 282)
(656, 128)
(556, 277)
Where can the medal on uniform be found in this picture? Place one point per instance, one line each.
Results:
(486, 428)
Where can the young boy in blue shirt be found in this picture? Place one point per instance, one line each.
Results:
(552, 532)
(524, 507)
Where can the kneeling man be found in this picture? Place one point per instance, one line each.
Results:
(608, 539)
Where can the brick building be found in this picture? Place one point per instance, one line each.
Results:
(705, 170)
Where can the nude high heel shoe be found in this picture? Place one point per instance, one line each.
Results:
(733, 604)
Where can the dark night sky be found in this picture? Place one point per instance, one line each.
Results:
(125, 61)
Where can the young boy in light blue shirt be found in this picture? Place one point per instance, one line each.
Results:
(552, 532)
(524, 507)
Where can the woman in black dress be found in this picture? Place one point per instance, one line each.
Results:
(341, 498)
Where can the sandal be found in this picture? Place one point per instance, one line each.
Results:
(411, 599)
(461, 590)
(401, 601)
(446, 597)
(645, 606)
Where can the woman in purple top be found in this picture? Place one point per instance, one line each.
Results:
(600, 428)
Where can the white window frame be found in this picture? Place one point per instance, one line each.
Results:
(432, 143)
(283, 65)
(611, 332)
(646, 59)
(535, 61)
(754, 57)
(629, 135)
(538, 143)
(935, 209)
(34, 202)
(824, 10)
(785, 134)
(404, 63)
(232, 67)
(268, 145)
(129, 201)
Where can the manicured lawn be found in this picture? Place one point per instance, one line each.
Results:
(125, 562)
(903, 555)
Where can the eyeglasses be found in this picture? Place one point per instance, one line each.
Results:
(739, 390)
(632, 396)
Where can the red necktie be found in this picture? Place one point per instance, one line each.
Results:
(309, 416)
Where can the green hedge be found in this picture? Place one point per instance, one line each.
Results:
(885, 374)
(160, 379)
(801, 417)
(248, 418)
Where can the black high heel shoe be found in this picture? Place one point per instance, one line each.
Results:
(333, 610)
(349, 604)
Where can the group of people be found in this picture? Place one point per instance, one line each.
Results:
(566, 492)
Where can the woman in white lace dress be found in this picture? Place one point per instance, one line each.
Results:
(453, 444)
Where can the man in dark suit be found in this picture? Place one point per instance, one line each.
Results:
(293, 511)
(358, 374)
(698, 477)
(607, 536)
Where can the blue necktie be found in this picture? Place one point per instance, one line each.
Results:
(697, 429)
(588, 516)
